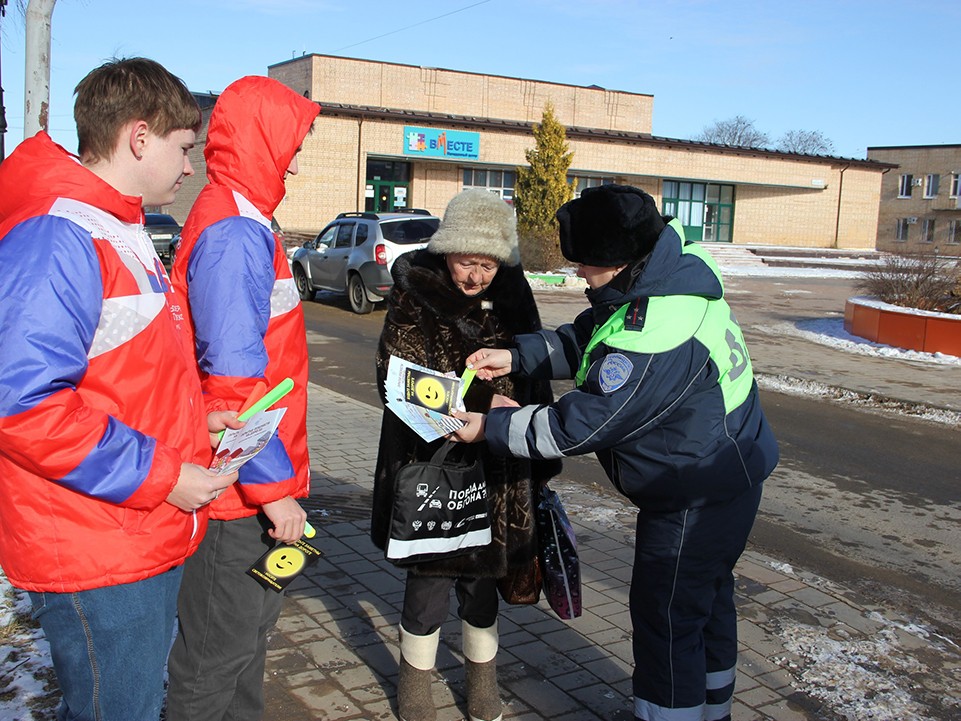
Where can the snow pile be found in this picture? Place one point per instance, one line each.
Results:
(866, 679)
(830, 332)
(864, 401)
(27, 682)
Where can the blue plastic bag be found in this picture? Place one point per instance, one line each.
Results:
(557, 548)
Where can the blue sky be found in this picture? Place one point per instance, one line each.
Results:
(864, 73)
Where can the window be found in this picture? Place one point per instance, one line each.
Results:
(901, 232)
(496, 181)
(931, 183)
(583, 183)
(326, 237)
(954, 232)
(955, 184)
(706, 210)
(344, 234)
(904, 189)
(361, 234)
(927, 231)
(391, 170)
(159, 219)
(407, 231)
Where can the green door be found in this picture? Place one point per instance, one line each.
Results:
(385, 196)
(387, 184)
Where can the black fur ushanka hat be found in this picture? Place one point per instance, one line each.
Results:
(609, 225)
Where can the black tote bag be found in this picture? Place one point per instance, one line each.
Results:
(440, 509)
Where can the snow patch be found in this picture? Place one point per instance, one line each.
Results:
(859, 679)
(27, 678)
(865, 401)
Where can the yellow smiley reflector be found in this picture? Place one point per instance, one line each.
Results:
(430, 393)
(285, 561)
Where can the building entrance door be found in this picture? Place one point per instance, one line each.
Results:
(706, 210)
(384, 196)
(387, 185)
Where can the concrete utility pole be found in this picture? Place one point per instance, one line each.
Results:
(36, 86)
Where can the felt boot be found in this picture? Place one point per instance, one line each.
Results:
(417, 657)
(480, 662)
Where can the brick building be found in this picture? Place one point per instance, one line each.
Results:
(393, 135)
(920, 200)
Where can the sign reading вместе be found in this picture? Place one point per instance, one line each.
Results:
(436, 143)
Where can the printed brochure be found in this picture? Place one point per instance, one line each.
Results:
(240, 445)
(424, 398)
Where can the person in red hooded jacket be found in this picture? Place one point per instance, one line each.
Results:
(104, 442)
(249, 329)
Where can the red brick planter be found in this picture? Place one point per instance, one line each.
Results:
(902, 327)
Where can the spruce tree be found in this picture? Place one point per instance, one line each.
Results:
(541, 189)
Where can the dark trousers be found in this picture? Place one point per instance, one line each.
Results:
(216, 667)
(427, 602)
(682, 609)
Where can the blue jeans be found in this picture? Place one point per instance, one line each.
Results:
(109, 647)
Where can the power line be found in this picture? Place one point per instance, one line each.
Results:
(408, 27)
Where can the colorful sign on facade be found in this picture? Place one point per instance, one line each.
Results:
(435, 143)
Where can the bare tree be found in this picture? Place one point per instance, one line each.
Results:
(927, 281)
(810, 142)
(738, 131)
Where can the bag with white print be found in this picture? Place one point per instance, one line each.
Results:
(440, 508)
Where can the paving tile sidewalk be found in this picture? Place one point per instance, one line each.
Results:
(335, 651)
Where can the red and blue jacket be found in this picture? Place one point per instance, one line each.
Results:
(100, 400)
(244, 307)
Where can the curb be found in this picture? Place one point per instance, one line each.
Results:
(782, 383)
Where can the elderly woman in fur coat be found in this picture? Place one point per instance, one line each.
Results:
(465, 291)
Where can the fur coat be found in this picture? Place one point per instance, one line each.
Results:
(431, 322)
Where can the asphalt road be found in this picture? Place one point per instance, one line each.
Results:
(865, 500)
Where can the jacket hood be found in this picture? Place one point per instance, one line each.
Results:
(39, 170)
(674, 267)
(255, 129)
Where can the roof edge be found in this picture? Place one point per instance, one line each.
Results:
(367, 111)
(461, 72)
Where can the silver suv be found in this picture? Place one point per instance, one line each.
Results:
(355, 252)
(164, 233)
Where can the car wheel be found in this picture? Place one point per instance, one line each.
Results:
(359, 303)
(172, 255)
(303, 286)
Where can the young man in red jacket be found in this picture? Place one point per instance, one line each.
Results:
(249, 327)
(104, 442)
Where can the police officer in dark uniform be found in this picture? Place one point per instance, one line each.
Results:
(665, 397)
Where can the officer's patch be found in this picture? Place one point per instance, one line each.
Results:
(615, 371)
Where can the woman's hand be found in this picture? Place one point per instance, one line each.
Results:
(197, 486)
(473, 431)
(490, 362)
